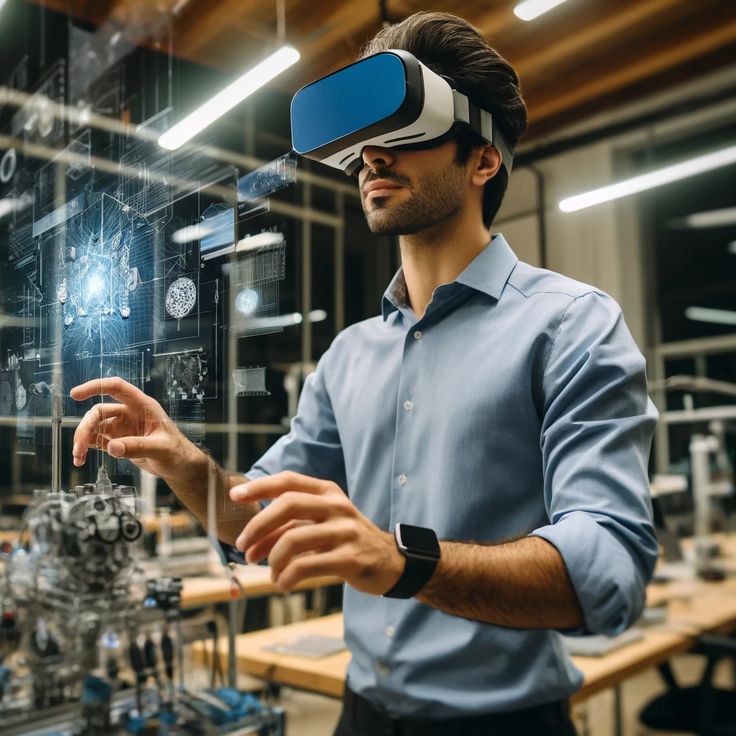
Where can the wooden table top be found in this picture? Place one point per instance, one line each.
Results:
(707, 607)
(255, 581)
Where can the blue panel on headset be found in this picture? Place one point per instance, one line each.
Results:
(347, 101)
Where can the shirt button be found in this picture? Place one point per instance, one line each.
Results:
(418, 335)
(408, 405)
(402, 480)
(390, 631)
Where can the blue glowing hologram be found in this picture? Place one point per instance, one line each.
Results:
(250, 382)
(252, 208)
(217, 231)
(186, 374)
(59, 215)
(268, 179)
(99, 283)
(38, 120)
(181, 296)
(186, 389)
(78, 155)
(255, 278)
(246, 302)
(7, 165)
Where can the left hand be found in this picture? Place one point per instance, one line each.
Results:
(311, 528)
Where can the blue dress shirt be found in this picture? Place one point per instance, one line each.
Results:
(517, 405)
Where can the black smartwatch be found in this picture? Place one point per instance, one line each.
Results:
(422, 552)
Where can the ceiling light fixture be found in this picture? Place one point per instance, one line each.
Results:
(531, 9)
(229, 97)
(710, 218)
(675, 172)
(704, 314)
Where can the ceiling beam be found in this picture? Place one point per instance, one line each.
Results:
(617, 24)
(495, 22)
(341, 25)
(195, 34)
(678, 51)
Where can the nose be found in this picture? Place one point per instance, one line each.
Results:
(376, 158)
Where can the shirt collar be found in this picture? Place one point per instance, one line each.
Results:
(488, 273)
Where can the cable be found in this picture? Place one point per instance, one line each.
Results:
(149, 654)
(136, 662)
(216, 661)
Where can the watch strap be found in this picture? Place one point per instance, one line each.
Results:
(417, 572)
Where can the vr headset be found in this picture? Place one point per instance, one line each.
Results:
(389, 99)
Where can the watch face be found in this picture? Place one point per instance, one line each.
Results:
(417, 540)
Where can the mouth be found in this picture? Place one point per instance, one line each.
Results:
(380, 188)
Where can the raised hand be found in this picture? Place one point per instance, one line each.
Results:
(311, 528)
(136, 427)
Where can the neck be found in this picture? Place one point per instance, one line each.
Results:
(439, 255)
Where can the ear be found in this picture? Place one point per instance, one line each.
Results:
(487, 163)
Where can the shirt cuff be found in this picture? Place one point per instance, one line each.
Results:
(228, 551)
(609, 587)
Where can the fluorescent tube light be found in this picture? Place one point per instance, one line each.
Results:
(712, 218)
(531, 9)
(285, 320)
(657, 178)
(190, 233)
(259, 240)
(229, 97)
(706, 219)
(732, 247)
(703, 314)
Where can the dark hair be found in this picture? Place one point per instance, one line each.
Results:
(451, 46)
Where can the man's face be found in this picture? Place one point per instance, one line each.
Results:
(407, 192)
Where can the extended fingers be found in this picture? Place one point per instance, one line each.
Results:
(273, 486)
(116, 387)
(304, 539)
(310, 566)
(288, 507)
(153, 447)
(262, 549)
(95, 422)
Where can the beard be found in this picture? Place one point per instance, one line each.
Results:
(437, 197)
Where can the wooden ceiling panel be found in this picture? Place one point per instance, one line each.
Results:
(210, 26)
(693, 41)
(579, 58)
(604, 32)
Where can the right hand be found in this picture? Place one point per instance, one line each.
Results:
(136, 428)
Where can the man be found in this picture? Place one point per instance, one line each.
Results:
(500, 407)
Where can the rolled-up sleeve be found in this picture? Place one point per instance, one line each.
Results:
(595, 440)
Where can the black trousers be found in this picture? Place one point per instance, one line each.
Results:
(361, 718)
